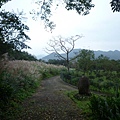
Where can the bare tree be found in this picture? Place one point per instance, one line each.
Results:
(63, 45)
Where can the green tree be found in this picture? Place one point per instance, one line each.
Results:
(102, 62)
(84, 60)
(12, 31)
(83, 7)
(18, 55)
(115, 4)
(57, 62)
(45, 7)
(2, 2)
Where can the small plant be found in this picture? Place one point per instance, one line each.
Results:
(81, 101)
(105, 108)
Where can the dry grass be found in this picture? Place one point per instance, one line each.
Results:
(33, 69)
(18, 80)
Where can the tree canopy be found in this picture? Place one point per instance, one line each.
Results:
(12, 31)
(80, 6)
(115, 4)
(83, 7)
(84, 59)
(18, 55)
(2, 2)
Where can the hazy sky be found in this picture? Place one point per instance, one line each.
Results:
(100, 28)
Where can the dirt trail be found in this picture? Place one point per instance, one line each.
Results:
(49, 103)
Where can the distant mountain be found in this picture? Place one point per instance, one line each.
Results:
(110, 54)
(50, 56)
(39, 56)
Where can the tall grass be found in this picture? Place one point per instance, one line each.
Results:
(18, 79)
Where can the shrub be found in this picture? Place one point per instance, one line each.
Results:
(65, 75)
(91, 77)
(74, 81)
(105, 108)
(6, 89)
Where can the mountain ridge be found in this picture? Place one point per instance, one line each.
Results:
(110, 54)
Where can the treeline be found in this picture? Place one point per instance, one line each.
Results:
(21, 55)
(101, 63)
(56, 62)
(18, 55)
(85, 61)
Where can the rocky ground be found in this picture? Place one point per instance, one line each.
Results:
(50, 103)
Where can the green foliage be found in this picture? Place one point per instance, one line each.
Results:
(44, 9)
(105, 108)
(84, 60)
(70, 77)
(49, 73)
(12, 32)
(2, 2)
(57, 62)
(81, 101)
(10, 86)
(102, 72)
(6, 89)
(103, 63)
(18, 55)
(4, 47)
(115, 4)
(66, 75)
(105, 82)
(98, 80)
(74, 81)
(97, 107)
(81, 6)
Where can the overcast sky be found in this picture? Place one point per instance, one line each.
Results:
(101, 28)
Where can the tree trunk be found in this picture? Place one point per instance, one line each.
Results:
(68, 67)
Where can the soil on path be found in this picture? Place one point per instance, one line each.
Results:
(50, 103)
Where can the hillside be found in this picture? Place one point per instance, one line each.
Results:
(110, 54)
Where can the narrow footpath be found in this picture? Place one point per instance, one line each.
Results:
(50, 103)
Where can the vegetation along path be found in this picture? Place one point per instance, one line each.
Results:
(50, 103)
